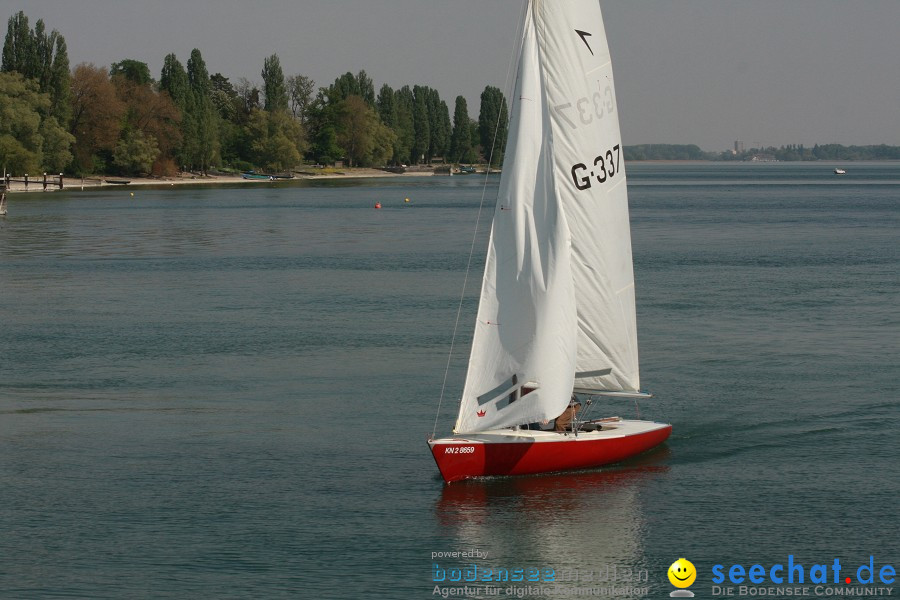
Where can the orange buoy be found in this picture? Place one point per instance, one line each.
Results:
(378, 205)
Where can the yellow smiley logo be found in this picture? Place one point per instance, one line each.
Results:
(682, 573)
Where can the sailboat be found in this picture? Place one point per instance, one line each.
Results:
(556, 320)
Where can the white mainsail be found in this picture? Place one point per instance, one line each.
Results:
(557, 301)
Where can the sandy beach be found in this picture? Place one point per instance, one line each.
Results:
(36, 184)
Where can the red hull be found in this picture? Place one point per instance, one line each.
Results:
(461, 458)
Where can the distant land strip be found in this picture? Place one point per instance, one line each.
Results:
(793, 152)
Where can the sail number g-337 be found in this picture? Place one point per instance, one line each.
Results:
(605, 167)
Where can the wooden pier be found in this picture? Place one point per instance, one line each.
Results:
(39, 182)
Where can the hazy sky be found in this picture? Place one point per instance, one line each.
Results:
(706, 72)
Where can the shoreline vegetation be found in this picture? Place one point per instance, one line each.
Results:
(125, 123)
(190, 126)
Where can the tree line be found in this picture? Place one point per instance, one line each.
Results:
(795, 152)
(120, 119)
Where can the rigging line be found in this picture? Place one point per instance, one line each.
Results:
(506, 86)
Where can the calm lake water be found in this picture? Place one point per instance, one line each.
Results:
(225, 392)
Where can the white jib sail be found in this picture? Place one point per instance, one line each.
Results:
(557, 300)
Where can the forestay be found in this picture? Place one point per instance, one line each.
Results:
(557, 299)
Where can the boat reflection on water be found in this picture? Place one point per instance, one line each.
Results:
(588, 524)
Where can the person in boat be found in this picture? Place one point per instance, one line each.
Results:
(564, 421)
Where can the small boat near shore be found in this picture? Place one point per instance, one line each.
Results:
(840, 172)
(117, 181)
(254, 176)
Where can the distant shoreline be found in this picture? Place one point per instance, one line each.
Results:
(78, 183)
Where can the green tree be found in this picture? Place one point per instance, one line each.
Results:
(460, 139)
(135, 153)
(276, 140)
(230, 109)
(232, 119)
(390, 113)
(493, 124)
(21, 105)
(274, 88)
(322, 125)
(19, 53)
(386, 106)
(365, 139)
(60, 84)
(204, 142)
(438, 124)
(198, 77)
(404, 126)
(249, 96)
(352, 85)
(41, 56)
(132, 70)
(366, 88)
(43, 45)
(174, 81)
(31, 140)
(325, 148)
(224, 97)
(421, 146)
(300, 92)
(57, 146)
